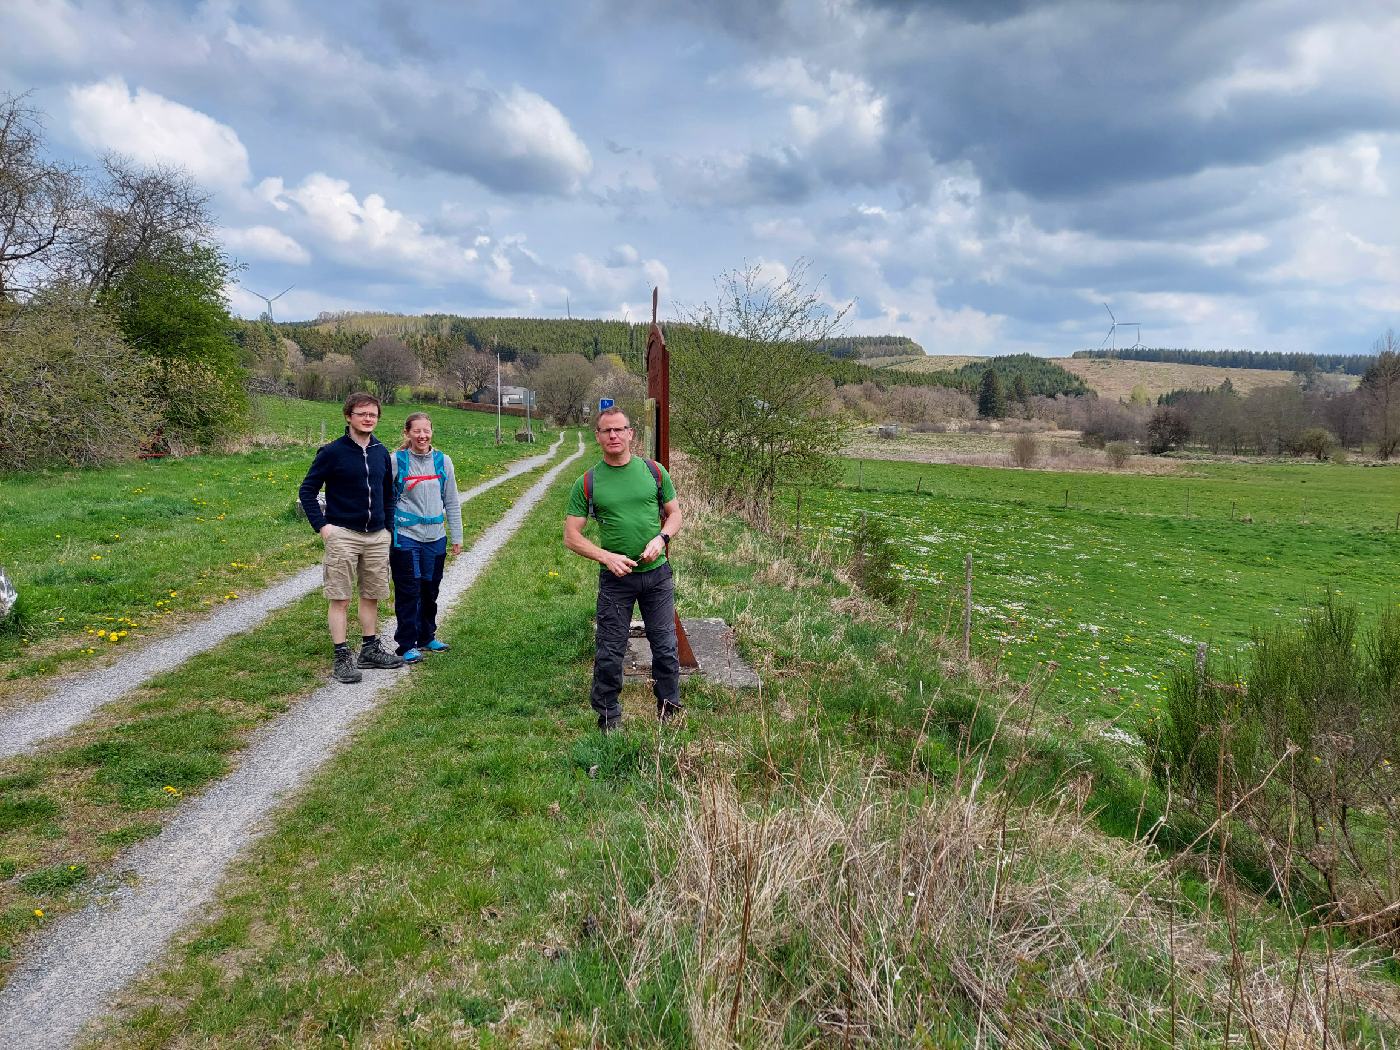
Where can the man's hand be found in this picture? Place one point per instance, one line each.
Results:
(653, 550)
(326, 530)
(456, 549)
(617, 564)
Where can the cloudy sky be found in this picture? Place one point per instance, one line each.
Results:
(980, 175)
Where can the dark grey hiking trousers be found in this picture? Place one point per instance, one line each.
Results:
(654, 592)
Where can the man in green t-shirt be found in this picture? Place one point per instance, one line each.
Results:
(636, 523)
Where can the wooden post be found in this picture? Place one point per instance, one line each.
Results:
(860, 474)
(919, 488)
(1232, 510)
(1397, 521)
(1066, 499)
(658, 366)
(967, 610)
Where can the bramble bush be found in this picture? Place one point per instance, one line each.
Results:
(1300, 741)
(71, 391)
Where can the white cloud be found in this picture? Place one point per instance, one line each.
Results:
(370, 232)
(510, 139)
(264, 242)
(153, 129)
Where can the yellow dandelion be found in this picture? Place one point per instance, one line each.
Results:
(38, 913)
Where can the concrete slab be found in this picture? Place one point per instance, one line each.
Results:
(712, 641)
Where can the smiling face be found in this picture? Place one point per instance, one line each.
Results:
(420, 435)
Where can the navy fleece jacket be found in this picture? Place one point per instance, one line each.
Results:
(359, 486)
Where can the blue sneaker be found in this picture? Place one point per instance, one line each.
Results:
(436, 646)
(411, 656)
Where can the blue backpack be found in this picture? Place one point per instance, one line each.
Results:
(402, 481)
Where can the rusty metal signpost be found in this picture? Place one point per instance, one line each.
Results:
(658, 361)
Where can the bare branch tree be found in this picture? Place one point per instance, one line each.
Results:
(387, 364)
(138, 213)
(469, 368)
(39, 199)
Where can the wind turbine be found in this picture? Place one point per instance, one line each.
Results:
(269, 302)
(1114, 324)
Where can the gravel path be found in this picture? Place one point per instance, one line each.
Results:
(85, 959)
(74, 699)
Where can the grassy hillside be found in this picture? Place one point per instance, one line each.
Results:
(1114, 378)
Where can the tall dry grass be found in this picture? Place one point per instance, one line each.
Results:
(858, 915)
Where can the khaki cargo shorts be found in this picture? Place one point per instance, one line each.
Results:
(350, 554)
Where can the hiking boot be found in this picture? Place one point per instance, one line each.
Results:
(608, 726)
(376, 656)
(345, 670)
(411, 656)
(667, 710)
(435, 646)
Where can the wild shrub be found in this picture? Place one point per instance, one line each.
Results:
(71, 392)
(1118, 453)
(873, 561)
(1025, 450)
(1300, 742)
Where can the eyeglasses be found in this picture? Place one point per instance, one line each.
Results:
(365, 415)
(613, 430)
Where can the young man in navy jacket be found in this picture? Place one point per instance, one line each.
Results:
(359, 483)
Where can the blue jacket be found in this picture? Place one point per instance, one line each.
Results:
(359, 485)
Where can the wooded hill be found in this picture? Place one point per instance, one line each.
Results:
(432, 337)
(1272, 360)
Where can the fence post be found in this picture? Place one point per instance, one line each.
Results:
(1232, 510)
(860, 474)
(1066, 499)
(919, 487)
(967, 610)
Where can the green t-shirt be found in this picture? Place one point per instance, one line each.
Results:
(624, 502)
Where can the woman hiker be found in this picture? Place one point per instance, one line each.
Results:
(427, 506)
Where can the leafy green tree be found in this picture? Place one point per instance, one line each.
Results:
(1020, 391)
(991, 396)
(170, 308)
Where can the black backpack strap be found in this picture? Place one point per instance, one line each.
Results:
(655, 469)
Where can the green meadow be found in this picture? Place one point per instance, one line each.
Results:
(102, 557)
(1115, 578)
